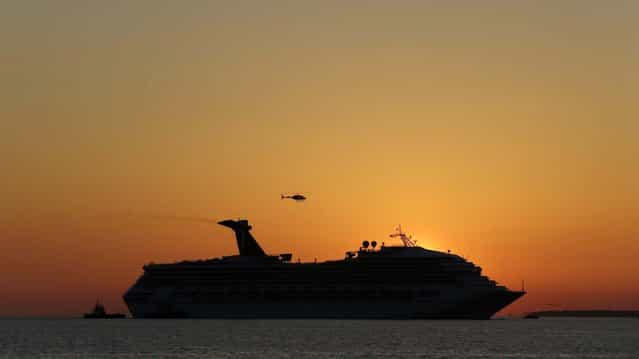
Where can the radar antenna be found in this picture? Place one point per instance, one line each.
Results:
(408, 240)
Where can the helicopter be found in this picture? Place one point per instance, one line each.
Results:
(296, 197)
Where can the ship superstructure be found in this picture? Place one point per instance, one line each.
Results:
(390, 282)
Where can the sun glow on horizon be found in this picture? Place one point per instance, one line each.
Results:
(503, 133)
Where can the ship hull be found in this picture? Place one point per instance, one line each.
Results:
(452, 304)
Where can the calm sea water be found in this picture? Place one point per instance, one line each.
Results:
(128, 338)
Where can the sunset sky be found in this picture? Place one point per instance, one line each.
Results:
(505, 131)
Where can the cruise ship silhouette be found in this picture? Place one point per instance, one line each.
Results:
(386, 282)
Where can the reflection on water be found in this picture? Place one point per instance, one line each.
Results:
(128, 338)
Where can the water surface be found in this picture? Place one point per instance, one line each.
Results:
(129, 338)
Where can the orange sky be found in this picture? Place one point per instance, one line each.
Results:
(504, 132)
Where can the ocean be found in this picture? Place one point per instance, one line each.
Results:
(158, 338)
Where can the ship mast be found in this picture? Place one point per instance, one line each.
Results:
(408, 240)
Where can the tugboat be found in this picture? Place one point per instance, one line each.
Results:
(100, 313)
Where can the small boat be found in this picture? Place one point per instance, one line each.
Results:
(100, 313)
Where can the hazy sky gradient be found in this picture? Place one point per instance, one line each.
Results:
(505, 131)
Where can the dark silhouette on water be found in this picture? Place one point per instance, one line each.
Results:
(387, 282)
(100, 313)
(587, 313)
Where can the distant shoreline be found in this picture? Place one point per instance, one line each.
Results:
(539, 314)
(587, 313)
